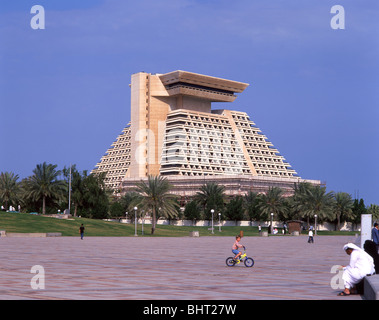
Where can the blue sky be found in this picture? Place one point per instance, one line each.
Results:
(64, 94)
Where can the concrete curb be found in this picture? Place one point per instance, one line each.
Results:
(371, 287)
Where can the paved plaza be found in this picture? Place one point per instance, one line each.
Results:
(143, 268)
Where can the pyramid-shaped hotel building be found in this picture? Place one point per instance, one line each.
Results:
(174, 132)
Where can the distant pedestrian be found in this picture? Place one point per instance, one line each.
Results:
(375, 235)
(310, 236)
(81, 230)
(259, 228)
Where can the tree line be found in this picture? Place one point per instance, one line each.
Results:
(46, 191)
(306, 202)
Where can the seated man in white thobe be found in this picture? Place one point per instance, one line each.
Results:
(361, 264)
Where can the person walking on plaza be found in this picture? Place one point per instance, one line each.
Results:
(81, 231)
(310, 236)
(375, 235)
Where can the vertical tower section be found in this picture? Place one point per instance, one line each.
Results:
(139, 124)
(149, 108)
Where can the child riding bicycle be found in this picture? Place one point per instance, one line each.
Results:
(235, 250)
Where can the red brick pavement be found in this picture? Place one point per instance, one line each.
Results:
(138, 268)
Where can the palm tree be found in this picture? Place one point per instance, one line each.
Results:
(211, 196)
(89, 195)
(374, 210)
(129, 200)
(234, 209)
(272, 202)
(359, 208)
(298, 201)
(77, 189)
(44, 184)
(310, 200)
(96, 196)
(9, 188)
(251, 201)
(77, 186)
(342, 207)
(320, 203)
(192, 211)
(155, 196)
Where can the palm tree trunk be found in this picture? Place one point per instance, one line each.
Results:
(153, 222)
(43, 205)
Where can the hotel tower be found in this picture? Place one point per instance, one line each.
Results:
(174, 132)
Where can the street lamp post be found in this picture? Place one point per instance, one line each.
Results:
(212, 211)
(135, 222)
(126, 216)
(69, 193)
(219, 221)
(271, 227)
(143, 218)
(315, 224)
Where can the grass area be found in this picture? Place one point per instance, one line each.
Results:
(28, 223)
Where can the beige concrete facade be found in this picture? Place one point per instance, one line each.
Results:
(116, 161)
(149, 108)
(186, 187)
(174, 132)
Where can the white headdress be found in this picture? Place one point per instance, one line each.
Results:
(355, 247)
(351, 246)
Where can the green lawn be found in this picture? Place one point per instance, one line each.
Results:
(28, 223)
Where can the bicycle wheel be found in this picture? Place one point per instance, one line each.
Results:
(230, 262)
(249, 262)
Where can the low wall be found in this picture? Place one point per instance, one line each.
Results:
(371, 287)
(32, 235)
(58, 216)
(228, 223)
